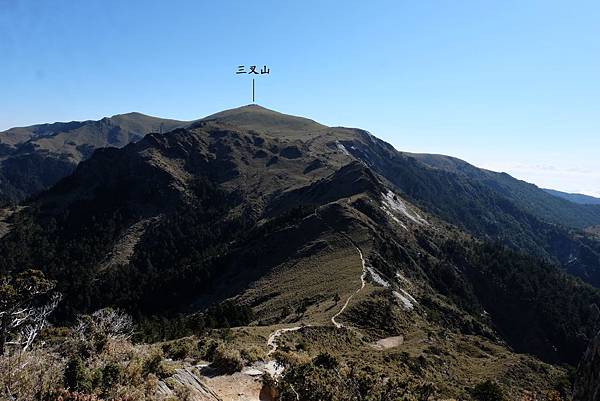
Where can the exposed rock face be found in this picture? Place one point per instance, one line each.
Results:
(199, 386)
(186, 378)
(587, 384)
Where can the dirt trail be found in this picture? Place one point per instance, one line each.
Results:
(362, 285)
(271, 366)
(363, 275)
(241, 386)
(246, 385)
(272, 344)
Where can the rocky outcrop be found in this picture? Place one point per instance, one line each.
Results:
(191, 384)
(587, 383)
(201, 383)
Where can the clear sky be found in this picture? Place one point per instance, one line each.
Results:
(508, 85)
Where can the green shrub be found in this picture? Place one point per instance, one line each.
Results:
(95, 376)
(165, 370)
(152, 364)
(326, 360)
(155, 364)
(77, 377)
(227, 360)
(226, 335)
(207, 348)
(252, 354)
(179, 349)
(111, 374)
(488, 391)
(301, 346)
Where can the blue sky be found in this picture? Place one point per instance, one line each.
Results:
(507, 85)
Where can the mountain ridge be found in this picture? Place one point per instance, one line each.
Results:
(34, 158)
(489, 205)
(248, 117)
(574, 197)
(334, 234)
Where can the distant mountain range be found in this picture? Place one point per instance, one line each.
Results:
(575, 198)
(34, 158)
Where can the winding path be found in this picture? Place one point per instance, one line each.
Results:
(362, 285)
(363, 275)
(271, 366)
(271, 341)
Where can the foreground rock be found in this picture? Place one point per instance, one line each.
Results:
(198, 386)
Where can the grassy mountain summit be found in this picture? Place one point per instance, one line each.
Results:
(255, 117)
(328, 250)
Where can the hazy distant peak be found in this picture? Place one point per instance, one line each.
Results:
(575, 198)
